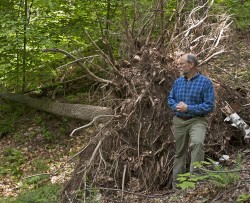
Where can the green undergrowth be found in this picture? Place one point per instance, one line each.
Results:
(218, 175)
(9, 115)
(244, 197)
(45, 194)
(24, 124)
(11, 162)
(33, 142)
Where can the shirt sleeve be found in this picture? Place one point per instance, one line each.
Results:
(207, 105)
(171, 98)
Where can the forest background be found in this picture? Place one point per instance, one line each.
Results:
(29, 27)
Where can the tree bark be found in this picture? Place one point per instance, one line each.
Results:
(25, 45)
(78, 111)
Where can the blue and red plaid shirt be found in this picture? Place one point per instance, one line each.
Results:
(197, 93)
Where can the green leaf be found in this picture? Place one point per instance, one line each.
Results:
(186, 184)
(243, 197)
(197, 178)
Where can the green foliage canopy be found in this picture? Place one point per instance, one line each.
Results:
(28, 27)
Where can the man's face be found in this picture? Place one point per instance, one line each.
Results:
(184, 66)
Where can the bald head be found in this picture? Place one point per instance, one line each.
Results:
(190, 58)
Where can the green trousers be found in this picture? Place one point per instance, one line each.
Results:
(184, 130)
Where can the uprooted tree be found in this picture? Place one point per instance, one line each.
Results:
(133, 147)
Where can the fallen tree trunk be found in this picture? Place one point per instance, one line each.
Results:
(78, 111)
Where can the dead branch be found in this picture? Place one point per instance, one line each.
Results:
(100, 68)
(126, 24)
(104, 55)
(229, 171)
(148, 21)
(134, 193)
(55, 84)
(93, 155)
(57, 88)
(161, 38)
(212, 56)
(93, 121)
(123, 178)
(180, 6)
(154, 15)
(87, 71)
(194, 38)
(193, 21)
(105, 32)
(77, 60)
(228, 191)
(40, 174)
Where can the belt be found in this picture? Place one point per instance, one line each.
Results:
(185, 118)
(188, 118)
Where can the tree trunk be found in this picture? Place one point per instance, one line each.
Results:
(25, 45)
(78, 111)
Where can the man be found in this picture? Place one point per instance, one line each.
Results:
(191, 98)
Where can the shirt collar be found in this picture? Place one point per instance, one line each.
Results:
(194, 77)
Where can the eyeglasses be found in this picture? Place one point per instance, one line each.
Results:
(180, 65)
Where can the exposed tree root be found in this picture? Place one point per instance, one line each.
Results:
(135, 150)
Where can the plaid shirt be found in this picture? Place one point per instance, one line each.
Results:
(197, 93)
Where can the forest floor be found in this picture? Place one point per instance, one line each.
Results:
(31, 149)
(39, 143)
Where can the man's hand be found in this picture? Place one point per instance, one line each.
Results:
(182, 107)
